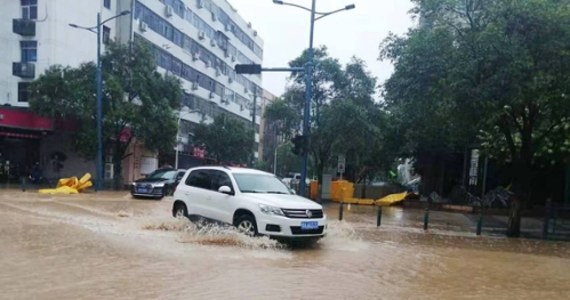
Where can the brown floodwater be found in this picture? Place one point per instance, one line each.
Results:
(109, 246)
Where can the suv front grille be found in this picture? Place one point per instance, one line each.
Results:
(298, 230)
(302, 213)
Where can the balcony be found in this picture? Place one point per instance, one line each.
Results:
(24, 27)
(24, 70)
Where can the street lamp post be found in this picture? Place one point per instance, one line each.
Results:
(99, 170)
(275, 158)
(309, 79)
(180, 114)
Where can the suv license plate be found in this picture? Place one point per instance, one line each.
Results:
(309, 225)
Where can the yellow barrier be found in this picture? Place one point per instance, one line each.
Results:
(341, 190)
(70, 185)
(391, 199)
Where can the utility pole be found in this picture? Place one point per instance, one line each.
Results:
(254, 126)
(99, 168)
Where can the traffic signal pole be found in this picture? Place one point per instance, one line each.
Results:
(257, 69)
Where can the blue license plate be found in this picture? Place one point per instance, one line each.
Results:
(142, 190)
(309, 225)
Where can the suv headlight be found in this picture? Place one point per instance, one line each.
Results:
(270, 210)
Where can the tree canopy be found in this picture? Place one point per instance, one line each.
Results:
(136, 99)
(344, 117)
(226, 140)
(494, 74)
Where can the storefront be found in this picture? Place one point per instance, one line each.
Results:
(20, 134)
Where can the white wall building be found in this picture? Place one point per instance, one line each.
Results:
(199, 41)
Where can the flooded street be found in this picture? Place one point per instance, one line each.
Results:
(109, 246)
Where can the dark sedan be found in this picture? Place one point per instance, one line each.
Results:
(157, 184)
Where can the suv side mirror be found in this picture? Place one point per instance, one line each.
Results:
(225, 189)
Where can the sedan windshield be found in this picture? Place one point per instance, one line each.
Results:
(164, 174)
(260, 183)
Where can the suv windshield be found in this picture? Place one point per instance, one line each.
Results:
(164, 174)
(259, 183)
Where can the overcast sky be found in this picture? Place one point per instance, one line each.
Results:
(285, 31)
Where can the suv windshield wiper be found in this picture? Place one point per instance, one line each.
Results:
(252, 191)
(277, 192)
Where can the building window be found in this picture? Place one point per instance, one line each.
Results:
(29, 50)
(29, 9)
(23, 91)
(106, 34)
(107, 4)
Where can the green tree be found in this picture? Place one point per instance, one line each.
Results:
(227, 139)
(327, 75)
(495, 72)
(344, 115)
(282, 116)
(136, 98)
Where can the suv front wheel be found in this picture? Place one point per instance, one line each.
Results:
(246, 224)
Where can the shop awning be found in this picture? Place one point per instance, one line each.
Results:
(24, 119)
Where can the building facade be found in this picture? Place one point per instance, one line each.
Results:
(199, 41)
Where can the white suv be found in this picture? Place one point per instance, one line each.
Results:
(256, 202)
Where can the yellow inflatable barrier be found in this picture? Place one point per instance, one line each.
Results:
(70, 185)
(391, 199)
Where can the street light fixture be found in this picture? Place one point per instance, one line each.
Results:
(180, 114)
(309, 76)
(99, 170)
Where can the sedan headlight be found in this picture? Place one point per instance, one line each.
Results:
(158, 185)
(270, 210)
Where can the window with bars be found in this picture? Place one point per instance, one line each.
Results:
(29, 9)
(29, 51)
(106, 34)
(23, 91)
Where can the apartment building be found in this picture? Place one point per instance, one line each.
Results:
(199, 41)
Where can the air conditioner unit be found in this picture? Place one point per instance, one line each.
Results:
(194, 86)
(230, 80)
(109, 170)
(241, 107)
(245, 90)
(201, 35)
(227, 27)
(218, 73)
(212, 95)
(207, 63)
(194, 57)
(233, 58)
(214, 18)
(199, 4)
(249, 25)
(142, 26)
(255, 33)
(223, 99)
(23, 70)
(168, 11)
(226, 54)
(212, 43)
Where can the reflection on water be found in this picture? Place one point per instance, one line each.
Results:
(109, 246)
